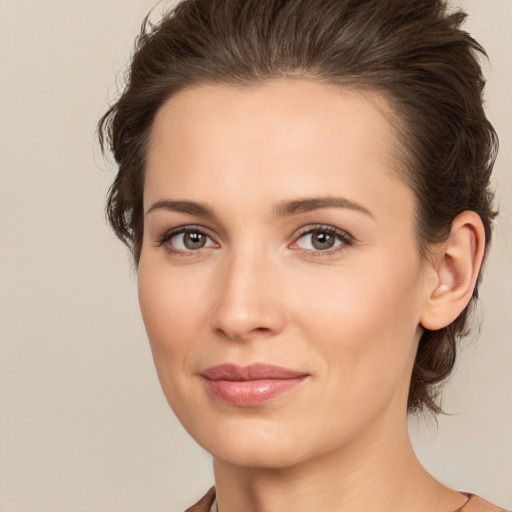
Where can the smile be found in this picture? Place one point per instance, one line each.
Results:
(250, 386)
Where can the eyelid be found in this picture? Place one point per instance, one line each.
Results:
(170, 233)
(345, 237)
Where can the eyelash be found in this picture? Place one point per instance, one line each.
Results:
(345, 238)
(178, 231)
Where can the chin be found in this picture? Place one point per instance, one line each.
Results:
(258, 455)
(256, 443)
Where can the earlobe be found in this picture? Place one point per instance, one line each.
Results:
(458, 264)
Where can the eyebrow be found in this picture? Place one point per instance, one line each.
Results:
(287, 208)
(283, 209)
(190, 207)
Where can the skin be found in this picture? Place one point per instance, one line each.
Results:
(260, 290)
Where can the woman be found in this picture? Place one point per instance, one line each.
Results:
(305, 189)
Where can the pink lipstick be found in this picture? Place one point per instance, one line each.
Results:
(249, 386)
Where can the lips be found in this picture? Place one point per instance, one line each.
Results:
(250, 386)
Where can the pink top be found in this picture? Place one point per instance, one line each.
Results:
(474, 504)
(477, 504)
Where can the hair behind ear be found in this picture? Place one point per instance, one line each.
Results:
(456, 265)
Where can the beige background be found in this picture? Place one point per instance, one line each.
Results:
(83, 423)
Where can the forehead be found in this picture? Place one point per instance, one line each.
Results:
(297, 107)
(294, 137)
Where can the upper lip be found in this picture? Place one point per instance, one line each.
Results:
(255, 371)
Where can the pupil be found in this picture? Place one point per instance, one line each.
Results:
(322, 240)
(194, 240)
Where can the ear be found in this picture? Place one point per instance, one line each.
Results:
(456, 268)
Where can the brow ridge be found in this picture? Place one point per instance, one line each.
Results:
(287, 208)
(190, 207)
(283, 209)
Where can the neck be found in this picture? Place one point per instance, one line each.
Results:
(377, 472)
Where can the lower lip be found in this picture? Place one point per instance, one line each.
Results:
(250, 393)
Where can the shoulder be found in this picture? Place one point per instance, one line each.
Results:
(474, 504)
(477, 504)
(204, 504)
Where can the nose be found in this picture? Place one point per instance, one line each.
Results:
(249, 302)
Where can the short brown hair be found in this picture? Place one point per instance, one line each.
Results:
(412, 51)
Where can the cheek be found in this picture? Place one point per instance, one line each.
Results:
(365, 323)
(169, 310)
(359, 300)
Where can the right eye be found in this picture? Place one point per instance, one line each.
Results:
(186, 239)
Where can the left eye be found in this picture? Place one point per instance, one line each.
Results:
(321, 239)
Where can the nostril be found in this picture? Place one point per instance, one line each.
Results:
(241, 310)
(240, 334)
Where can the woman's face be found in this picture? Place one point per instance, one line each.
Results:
(279, 280)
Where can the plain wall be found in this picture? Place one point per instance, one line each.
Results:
(83, 423)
